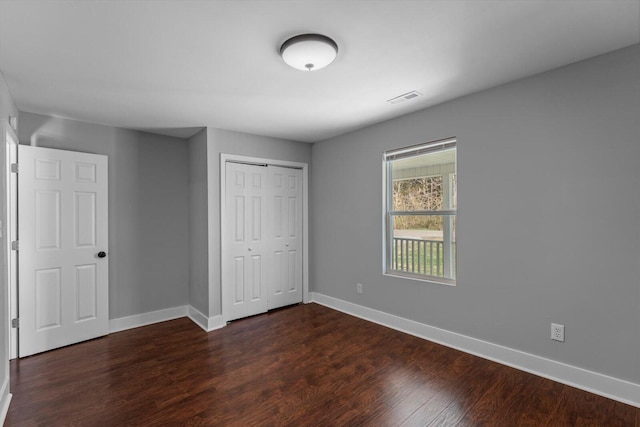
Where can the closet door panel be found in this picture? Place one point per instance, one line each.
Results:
(285, 228)
(243, 265)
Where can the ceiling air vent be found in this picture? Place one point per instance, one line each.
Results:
(404, 97)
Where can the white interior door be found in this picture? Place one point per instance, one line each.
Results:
(244, 266)
(285, 236)
(62, 230)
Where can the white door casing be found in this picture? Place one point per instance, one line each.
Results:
(63, 228)
(285, 236)
(244, 266)
(11, 226)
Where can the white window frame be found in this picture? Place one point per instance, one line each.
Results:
(388, 212)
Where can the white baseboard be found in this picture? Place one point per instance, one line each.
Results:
(207, 323)
(137, 320)
(5, 400)
(593, 382)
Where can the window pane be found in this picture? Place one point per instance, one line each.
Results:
(418, 194)
(424, 245)
(424, 182)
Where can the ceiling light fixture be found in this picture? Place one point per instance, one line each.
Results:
(309, 52)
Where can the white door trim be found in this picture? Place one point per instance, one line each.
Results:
(224, 158)
(10, 230)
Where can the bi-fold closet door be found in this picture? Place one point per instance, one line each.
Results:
(262, 242)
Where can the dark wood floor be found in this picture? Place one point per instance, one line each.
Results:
(302, 366)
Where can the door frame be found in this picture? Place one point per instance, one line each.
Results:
(224, 158)
(10, 229)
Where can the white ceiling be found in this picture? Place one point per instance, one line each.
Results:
(174, 66)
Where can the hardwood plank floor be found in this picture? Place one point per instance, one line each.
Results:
(306, 365)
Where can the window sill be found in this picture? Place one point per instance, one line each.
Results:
(421, 278)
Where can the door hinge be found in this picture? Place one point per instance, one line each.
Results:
(14, 168)
(15, 323)
(14, 245)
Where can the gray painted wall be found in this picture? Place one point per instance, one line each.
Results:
(198, 226)
(148, 208)
(229, 142)
(549, 206)
(7, 108)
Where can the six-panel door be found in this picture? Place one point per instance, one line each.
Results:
(63, 283)
(285, 236)
(262, 239)
(244, 266)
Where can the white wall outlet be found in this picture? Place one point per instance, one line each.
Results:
(359, 288)
(557, 332)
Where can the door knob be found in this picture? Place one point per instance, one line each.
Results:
(102, 254)
(287, 245)
(250, 249)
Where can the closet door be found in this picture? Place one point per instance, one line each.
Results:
(285, 236)
(244, 266)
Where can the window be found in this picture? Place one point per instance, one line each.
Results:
(420, 212)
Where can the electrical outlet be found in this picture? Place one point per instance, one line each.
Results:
(557, 332)
(359, 288)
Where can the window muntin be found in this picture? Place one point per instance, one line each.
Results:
(420, 212)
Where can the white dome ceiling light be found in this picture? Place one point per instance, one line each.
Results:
(309, 52)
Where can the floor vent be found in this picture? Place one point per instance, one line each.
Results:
(404, 97)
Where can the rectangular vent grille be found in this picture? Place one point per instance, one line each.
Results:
(404, 97)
